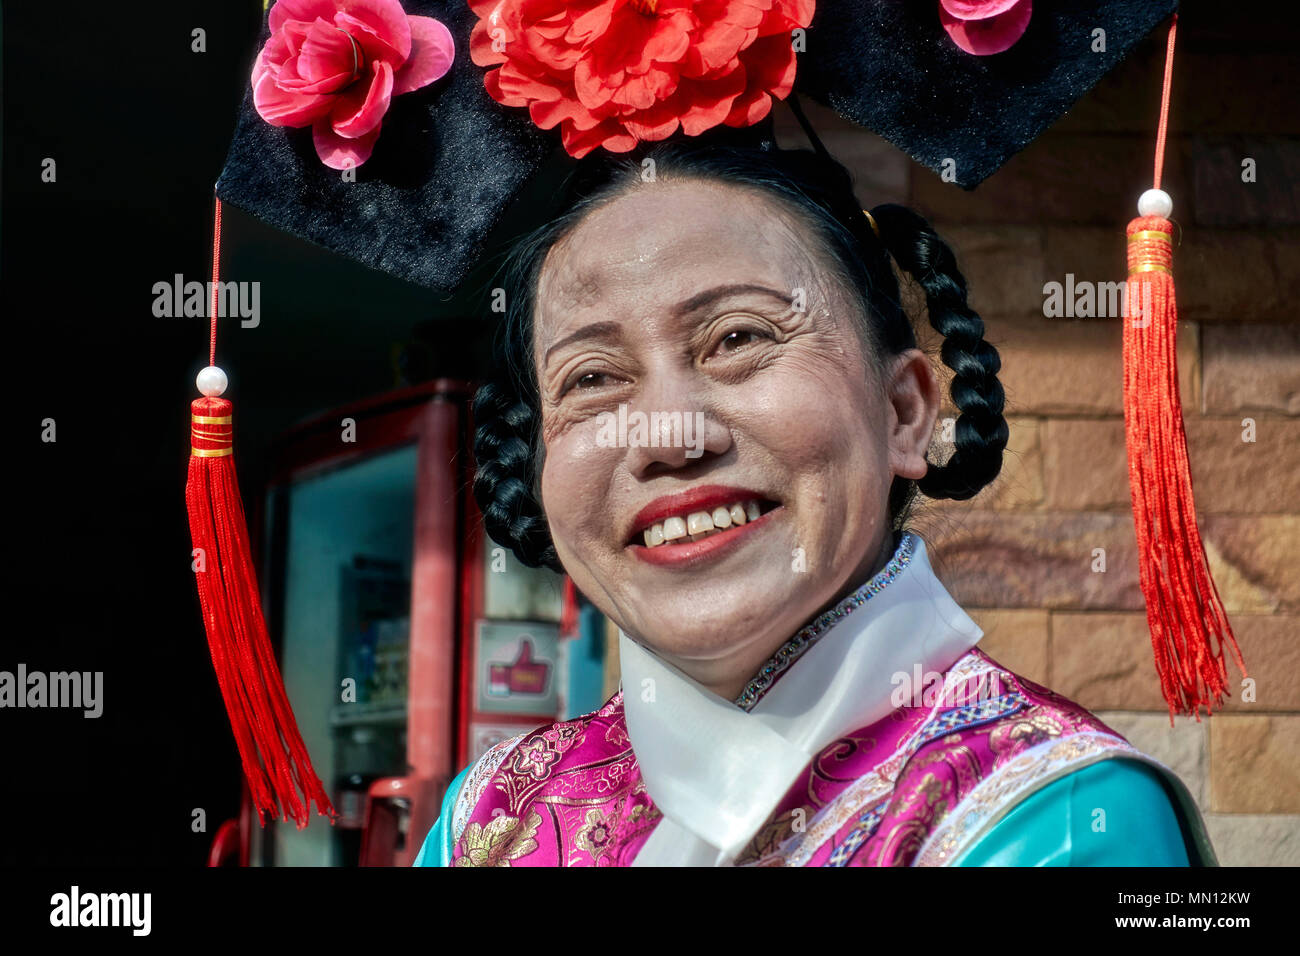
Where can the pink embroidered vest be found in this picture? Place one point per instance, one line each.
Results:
(911, 789)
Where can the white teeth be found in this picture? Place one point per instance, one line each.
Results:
(674, 528)
(698, 522)
(701, 524)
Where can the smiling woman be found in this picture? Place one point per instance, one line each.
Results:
(698, 294)
(797, 685)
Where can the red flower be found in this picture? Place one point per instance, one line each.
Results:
(335, 65)
(614, 72)
(984, 27)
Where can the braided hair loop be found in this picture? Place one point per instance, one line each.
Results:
(504, 437)
(981, 430)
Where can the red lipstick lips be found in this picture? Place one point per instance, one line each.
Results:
(702, 498)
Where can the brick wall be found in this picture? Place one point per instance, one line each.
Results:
(1019, 557)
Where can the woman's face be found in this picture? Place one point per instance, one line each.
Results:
(700, 313)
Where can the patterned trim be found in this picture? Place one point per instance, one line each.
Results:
(997, 795)
(476, 782)
(794, 648)
(968, 716)
(867, 790)
(947, 722)
(859, 835)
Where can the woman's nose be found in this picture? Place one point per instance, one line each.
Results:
(664, 431)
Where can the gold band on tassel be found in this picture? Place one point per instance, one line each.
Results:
(1147, 257)
(213, 430)
(1151, 234)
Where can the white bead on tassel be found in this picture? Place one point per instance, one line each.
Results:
(1155, 202)
(211, 381)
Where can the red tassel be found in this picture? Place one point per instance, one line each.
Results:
(1188, 625)
(260, 715)
(250, 682)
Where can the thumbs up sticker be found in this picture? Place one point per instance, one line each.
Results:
(522, 676)
(517, 667)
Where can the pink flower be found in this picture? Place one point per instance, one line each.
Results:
(984, 27)
(335, 65)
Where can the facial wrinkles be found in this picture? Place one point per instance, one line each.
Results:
(593, 275)
(596, 275)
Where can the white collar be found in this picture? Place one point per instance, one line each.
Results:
(716, 772)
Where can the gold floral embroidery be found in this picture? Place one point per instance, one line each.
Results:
(1033, 727)
(535, 758)
(594, 835)
(957, 758)
(477, 782)
(502, 840)
(616, 734)
(769, 837)
(641, 818)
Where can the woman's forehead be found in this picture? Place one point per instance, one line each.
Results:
(658, 245)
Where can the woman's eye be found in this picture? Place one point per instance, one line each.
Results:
(591, 380)
(739, 339)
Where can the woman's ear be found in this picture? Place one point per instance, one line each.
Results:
(912, 394)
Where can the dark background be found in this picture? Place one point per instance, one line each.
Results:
(98, 576)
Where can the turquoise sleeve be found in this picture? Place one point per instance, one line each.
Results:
(1111, 813)
(438, 845)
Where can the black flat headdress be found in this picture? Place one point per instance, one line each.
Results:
(450, 158)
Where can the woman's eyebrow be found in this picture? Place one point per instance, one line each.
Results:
(593, 331)
(708, 296)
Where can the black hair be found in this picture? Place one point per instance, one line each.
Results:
(818, 192)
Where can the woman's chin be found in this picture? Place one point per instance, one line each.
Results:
(716, 597)
(713, 616)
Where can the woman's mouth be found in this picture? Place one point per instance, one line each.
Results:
(698, 527)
